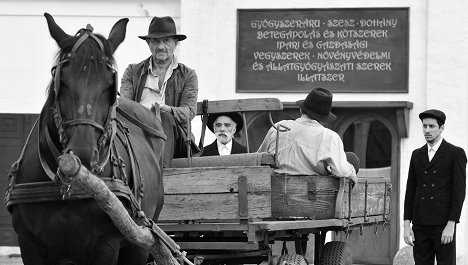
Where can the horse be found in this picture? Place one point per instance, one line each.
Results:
(120, 141)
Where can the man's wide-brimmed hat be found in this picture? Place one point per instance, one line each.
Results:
(433, 113)
(354, 160)
(161, 27)
(317, 105)
(236, 117)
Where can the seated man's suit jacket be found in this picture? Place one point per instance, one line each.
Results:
(212, 149)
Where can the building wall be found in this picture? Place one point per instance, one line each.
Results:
(437, 66)
(437, 62)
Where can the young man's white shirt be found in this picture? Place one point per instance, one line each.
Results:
(434, 148)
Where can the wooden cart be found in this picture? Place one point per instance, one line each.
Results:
(230, 209)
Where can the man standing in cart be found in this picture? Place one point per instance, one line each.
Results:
(307, 147)
(435, 192)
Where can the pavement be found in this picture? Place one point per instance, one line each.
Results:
(10, 256)
(7, 260)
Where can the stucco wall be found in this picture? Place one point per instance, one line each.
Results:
(437, 66)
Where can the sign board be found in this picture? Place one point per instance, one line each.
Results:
(344, 50)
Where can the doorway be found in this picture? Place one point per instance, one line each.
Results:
(374, 139)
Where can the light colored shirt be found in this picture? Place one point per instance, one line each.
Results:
(224, 149)
(431, 150)
(307, 149)
(152, 93)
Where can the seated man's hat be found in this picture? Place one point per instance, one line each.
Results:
(354, 160)
(161, 27)
(317, 105)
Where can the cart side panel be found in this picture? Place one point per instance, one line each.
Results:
(209, 193)
(326, 197)
(304, 196)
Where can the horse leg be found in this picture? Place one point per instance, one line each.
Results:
(107, 251)
(131, 254)
(32, 252)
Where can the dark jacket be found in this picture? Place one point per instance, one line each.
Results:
(212, 149)
(181, 89)
(435, 190)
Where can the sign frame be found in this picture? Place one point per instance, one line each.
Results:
(362, 81)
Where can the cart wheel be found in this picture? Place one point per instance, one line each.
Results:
(336, 253)
(291, 259)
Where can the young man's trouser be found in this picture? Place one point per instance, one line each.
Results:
(428, 246)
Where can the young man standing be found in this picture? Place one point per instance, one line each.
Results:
(435, 192)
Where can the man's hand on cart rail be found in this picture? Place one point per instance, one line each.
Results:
(354, 180)
(408, 234)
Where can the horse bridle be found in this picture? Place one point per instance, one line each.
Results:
(109, 128)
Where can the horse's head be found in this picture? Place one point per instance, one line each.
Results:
(84, 89)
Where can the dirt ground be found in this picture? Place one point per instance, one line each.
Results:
(10, 260)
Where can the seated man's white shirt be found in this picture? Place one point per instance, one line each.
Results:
(224, 149)
(307, 149)
(152, 93)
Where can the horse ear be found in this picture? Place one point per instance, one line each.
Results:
(55, 31)
(117, 34)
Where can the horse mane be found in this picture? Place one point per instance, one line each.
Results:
(88, 55)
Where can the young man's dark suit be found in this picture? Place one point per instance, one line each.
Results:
(434, 195)
(212, 149)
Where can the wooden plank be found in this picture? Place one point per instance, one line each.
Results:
(210, 180)
(246, 159)
(267, 225)
(304, 196)
(212, 193)
(219, 245)
(213, 206)
(241, 105)
(203, 227)
(299, 224)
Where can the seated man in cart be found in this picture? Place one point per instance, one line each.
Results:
(224, 126)
(306, 147)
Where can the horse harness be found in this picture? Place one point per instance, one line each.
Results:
(108, 130)
(60, 188)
